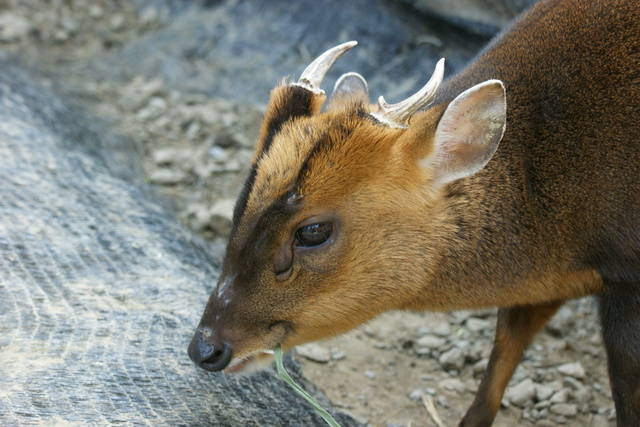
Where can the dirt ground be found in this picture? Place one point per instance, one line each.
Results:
(196, 151)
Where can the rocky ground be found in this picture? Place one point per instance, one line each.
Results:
(195, 150)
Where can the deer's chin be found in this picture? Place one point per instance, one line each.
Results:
(251, 363)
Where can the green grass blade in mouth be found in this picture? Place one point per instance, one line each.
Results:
(286, 378)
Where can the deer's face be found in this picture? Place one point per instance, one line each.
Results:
(325, 233)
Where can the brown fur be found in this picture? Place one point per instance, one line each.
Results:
(553, 216)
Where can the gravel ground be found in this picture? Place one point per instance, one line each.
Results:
(195, 151)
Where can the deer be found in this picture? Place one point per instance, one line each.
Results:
(513, 184)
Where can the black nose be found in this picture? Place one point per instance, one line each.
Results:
(210, 357)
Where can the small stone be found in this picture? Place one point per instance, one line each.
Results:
(117, 22)
(480, 366)
(222, 216)
(199, 217)
(244, 141)
(535, 414)
(138, 93)
(442, 328)
(452, 359)
(574, 370)
(452, 384)
(206, 114)
(370, 374)
(458, 317)
(228, 120)
(13, 27)
(149, 15)
(154, 108)
(442, 401)
(564, 409)
(61, 35)
(522, 393)
(218, 154)
(96, 11)
(598, 421)
(558, 419)
(596, 339)
(192, 131)
(314, 352)
(167, 176)
(227, 139)
(542, 404)
(70, 25)
(555, 385)
(582, 396)
(423, 351)
(165, 156)
(560, 322)
(572, 383)
(204, 170)
(475, 324)
(543, 392)
(430, 342)
(337, 354)
(233, 165)
(561, 396)
(358, 418)
(416, 395)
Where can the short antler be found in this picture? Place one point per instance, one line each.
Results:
(312, 76)
(398, 115)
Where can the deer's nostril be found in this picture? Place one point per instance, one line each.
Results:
(209, 356)
(219, 359)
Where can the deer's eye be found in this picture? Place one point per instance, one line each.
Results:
(314, 234)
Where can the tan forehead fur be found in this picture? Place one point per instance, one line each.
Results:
(278, 168)
(348, 149)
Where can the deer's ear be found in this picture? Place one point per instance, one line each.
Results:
(468, 133)
(350, 87)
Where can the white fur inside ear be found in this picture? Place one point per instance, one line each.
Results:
(469, 132)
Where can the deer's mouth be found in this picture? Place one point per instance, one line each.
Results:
(253, 362)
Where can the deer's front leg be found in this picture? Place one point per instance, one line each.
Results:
(515, 329)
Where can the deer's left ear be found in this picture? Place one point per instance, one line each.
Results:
(350, 87)
(468, 134)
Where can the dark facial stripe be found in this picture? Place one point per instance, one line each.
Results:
(324, 143)
(293, 102)
(256, 250)
(243, 198)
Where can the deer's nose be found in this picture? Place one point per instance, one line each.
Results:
(209, 354)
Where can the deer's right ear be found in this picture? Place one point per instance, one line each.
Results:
(468, 133)
(350, 87)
